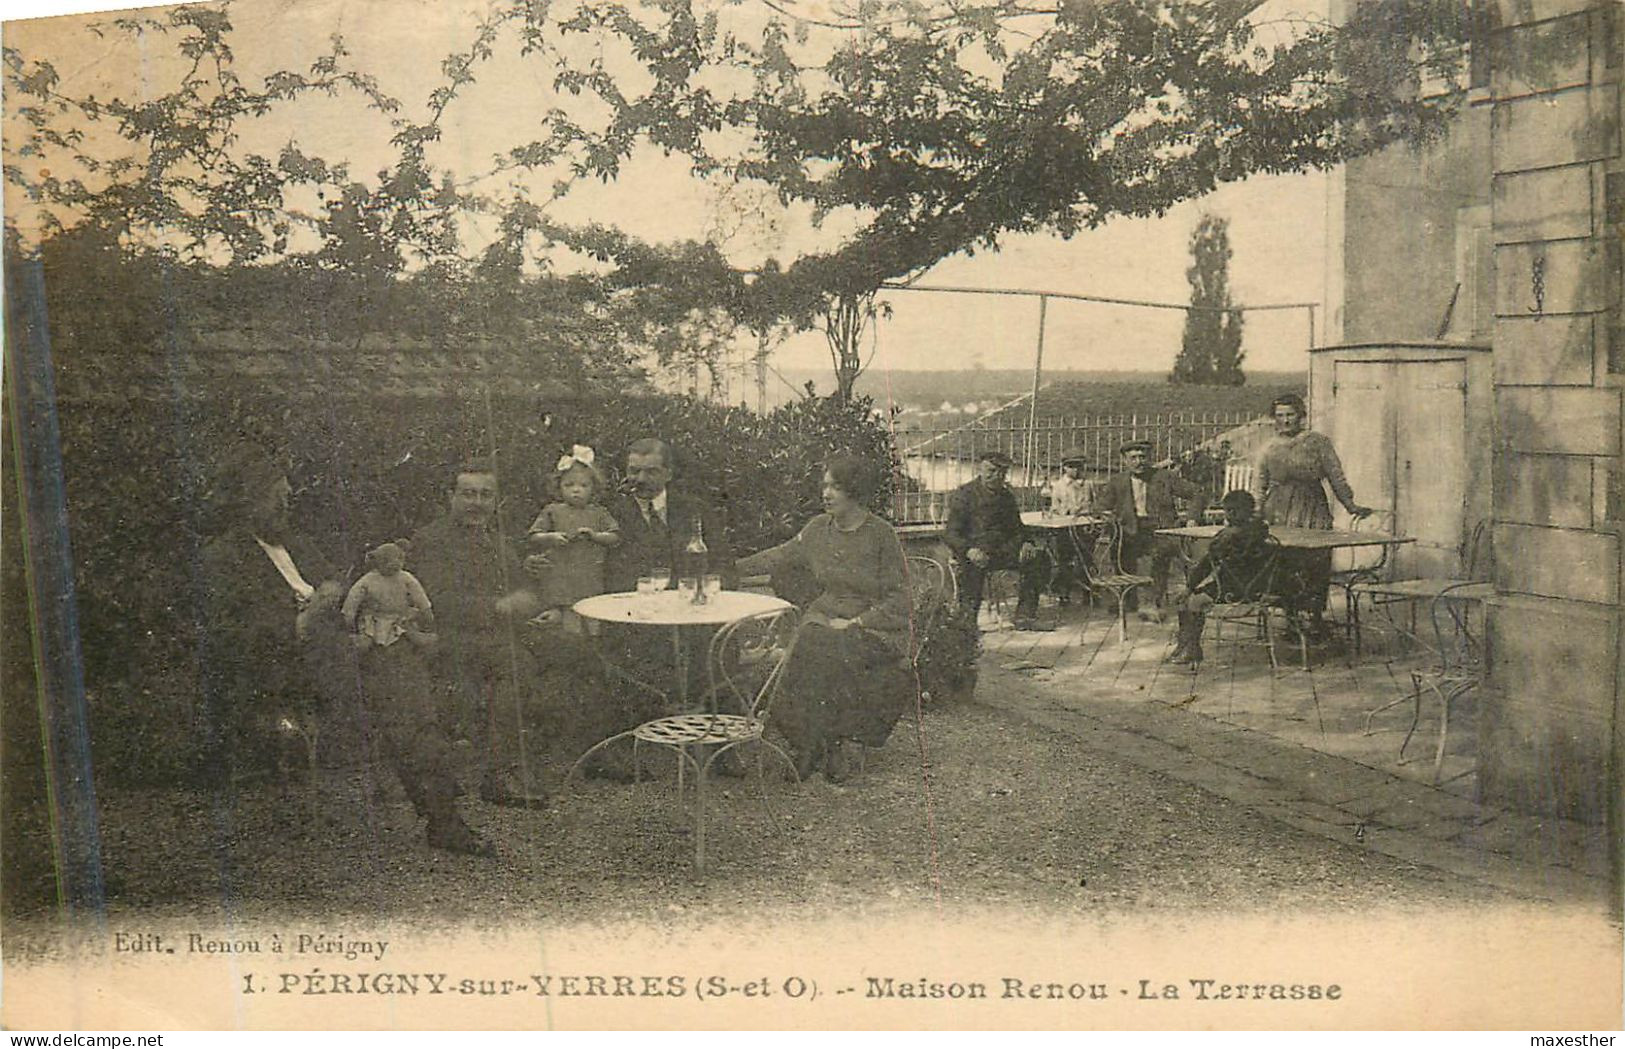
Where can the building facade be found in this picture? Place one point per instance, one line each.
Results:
(1508, 233)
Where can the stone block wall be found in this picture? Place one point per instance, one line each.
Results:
(1403, 211)
(1549, 725)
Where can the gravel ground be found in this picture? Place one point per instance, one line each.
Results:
(1009, 816)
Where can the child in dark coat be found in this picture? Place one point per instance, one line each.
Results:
(1240, 565)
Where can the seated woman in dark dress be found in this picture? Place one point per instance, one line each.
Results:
(848, 679)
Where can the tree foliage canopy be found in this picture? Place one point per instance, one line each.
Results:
(906, 130)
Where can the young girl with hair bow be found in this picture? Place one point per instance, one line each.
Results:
(574, 534)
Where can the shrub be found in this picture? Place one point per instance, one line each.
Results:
(1205, 469)
(366, 469)
(948, 654)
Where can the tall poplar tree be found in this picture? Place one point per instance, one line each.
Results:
(1211, 353)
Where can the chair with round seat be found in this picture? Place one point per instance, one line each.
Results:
(1110, 576)
(747, 659)
(1459, 668)
(1248, 594)
(932, 590)
(1355, 566)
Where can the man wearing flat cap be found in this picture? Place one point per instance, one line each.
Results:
(984, 532)
(1142, 497)
(1069, 495)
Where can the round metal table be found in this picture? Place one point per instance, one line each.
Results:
(673, 609)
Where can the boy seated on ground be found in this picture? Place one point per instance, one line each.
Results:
(1239, 565)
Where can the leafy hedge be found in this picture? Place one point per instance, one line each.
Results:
(363, 470)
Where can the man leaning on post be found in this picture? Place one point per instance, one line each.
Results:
(984, 531)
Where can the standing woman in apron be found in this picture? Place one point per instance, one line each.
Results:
(1290, 493)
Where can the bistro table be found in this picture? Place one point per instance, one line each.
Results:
(1053, 522)
(674, 610)
(691, 730)
(1055, 529)
(1292, 538)
(1297, 538)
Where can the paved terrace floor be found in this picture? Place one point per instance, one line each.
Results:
(1291, 742)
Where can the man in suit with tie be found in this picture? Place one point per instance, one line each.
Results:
(657, 522)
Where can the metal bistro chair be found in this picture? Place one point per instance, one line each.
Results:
(932, 591)
(933, 597)
(747, 660)
(1000, 585)
(1476, 561)
(1110, 576)
(1249, 595)
(1459, 670)
(1079, 543)
(1353, 566)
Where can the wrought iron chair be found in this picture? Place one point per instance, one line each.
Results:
(999, 585)
(1477, 555)
(1110, 576)
(748, 658)
(1077, 547)
(933, 596)
(933, 601)
(1458, 670)
(932, 591)
(1475, 560)
(1353, 566)
(1249, 594)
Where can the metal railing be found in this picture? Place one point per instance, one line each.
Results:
(939, 459)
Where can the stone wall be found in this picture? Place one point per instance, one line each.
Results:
(1549, 726)
(1403, 207)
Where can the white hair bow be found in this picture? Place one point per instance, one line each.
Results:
(578, 454)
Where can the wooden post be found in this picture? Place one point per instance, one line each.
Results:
(761, 373)
(1032, 408)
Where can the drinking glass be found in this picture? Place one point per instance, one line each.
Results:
(661, 577)
(712, 584)
(646, 584)
(685, 589)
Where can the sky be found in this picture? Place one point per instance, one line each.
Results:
(1277, 223)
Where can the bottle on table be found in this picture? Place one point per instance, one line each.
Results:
(695, 563)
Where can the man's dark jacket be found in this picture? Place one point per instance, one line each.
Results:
(1161, 488)
(246, 612)
(645, 544)
(983, 516)
(465, 572)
